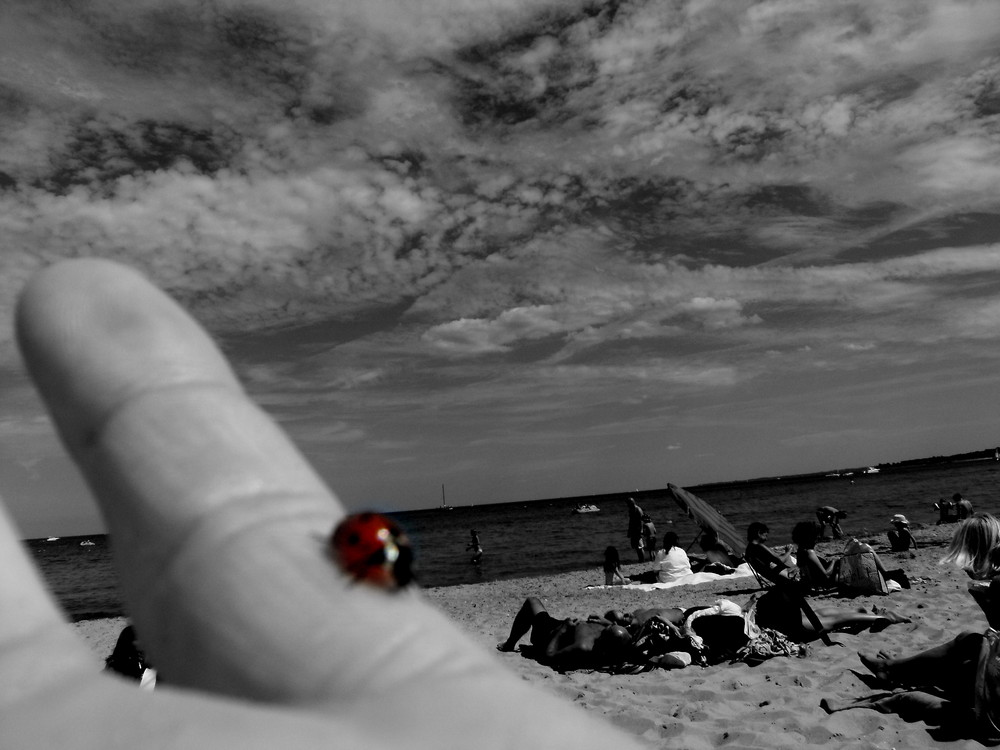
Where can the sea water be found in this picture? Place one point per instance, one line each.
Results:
(545, 536)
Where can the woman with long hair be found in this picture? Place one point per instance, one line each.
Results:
(973, 545)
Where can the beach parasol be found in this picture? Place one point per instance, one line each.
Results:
(708, 517)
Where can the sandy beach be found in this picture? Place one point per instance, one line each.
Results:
(773, 705)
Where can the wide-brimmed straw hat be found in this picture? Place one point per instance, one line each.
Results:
(899, 518)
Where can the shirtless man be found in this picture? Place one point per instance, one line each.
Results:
(570, 643)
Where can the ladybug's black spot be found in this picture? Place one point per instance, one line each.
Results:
(353, 538)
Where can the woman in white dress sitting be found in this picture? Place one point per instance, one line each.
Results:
(671, 562)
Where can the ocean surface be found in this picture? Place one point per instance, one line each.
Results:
(545, 536)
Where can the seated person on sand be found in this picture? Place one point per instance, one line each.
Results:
(774, 566)
(963, 508)
(570, 643)
(945, 686)
(946, 511)
(900, 538)
(780, 610)
(718, 557)
(672, 563)
(779, 607)
(612, 566)
(817, 573)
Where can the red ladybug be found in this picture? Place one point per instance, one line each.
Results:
(374, 549)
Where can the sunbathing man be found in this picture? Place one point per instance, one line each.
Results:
(570, 643)
(634, 620)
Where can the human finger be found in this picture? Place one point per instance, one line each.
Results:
(218, 520)
(218, 527)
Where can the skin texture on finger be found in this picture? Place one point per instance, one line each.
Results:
(219, 530)
(102, 712)
(217, 522)
(35, 644)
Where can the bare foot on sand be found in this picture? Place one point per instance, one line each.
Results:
(877, 664)
(504, 646)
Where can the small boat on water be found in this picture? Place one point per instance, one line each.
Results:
(444, 504)
(586, 508)
(86, 543)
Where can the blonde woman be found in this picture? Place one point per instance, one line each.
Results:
(972, 547)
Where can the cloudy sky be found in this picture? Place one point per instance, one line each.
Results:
(527, 248)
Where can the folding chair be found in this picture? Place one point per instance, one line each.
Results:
(708, 517)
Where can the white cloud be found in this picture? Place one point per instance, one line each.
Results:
(480, 336)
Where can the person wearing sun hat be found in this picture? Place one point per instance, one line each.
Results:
(900, 538)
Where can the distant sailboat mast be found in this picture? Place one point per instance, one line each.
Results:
(444, 504)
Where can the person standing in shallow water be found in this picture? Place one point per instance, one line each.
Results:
(649, 536)
(476, 547)
(635, 528)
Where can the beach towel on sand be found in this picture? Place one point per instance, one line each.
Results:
(743, 571)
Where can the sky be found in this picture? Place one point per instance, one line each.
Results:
(526, 249)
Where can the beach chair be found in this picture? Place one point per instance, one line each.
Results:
(708, 517)
(768, 578)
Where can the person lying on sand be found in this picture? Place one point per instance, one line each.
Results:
(953, 685)
(635, 619)
(570, 643)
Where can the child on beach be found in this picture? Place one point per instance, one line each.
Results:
(612, 567)
(900, 538)
(649, 536)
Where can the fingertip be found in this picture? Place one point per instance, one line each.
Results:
(94, 332)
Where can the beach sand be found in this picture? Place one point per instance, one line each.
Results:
(773, 705)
